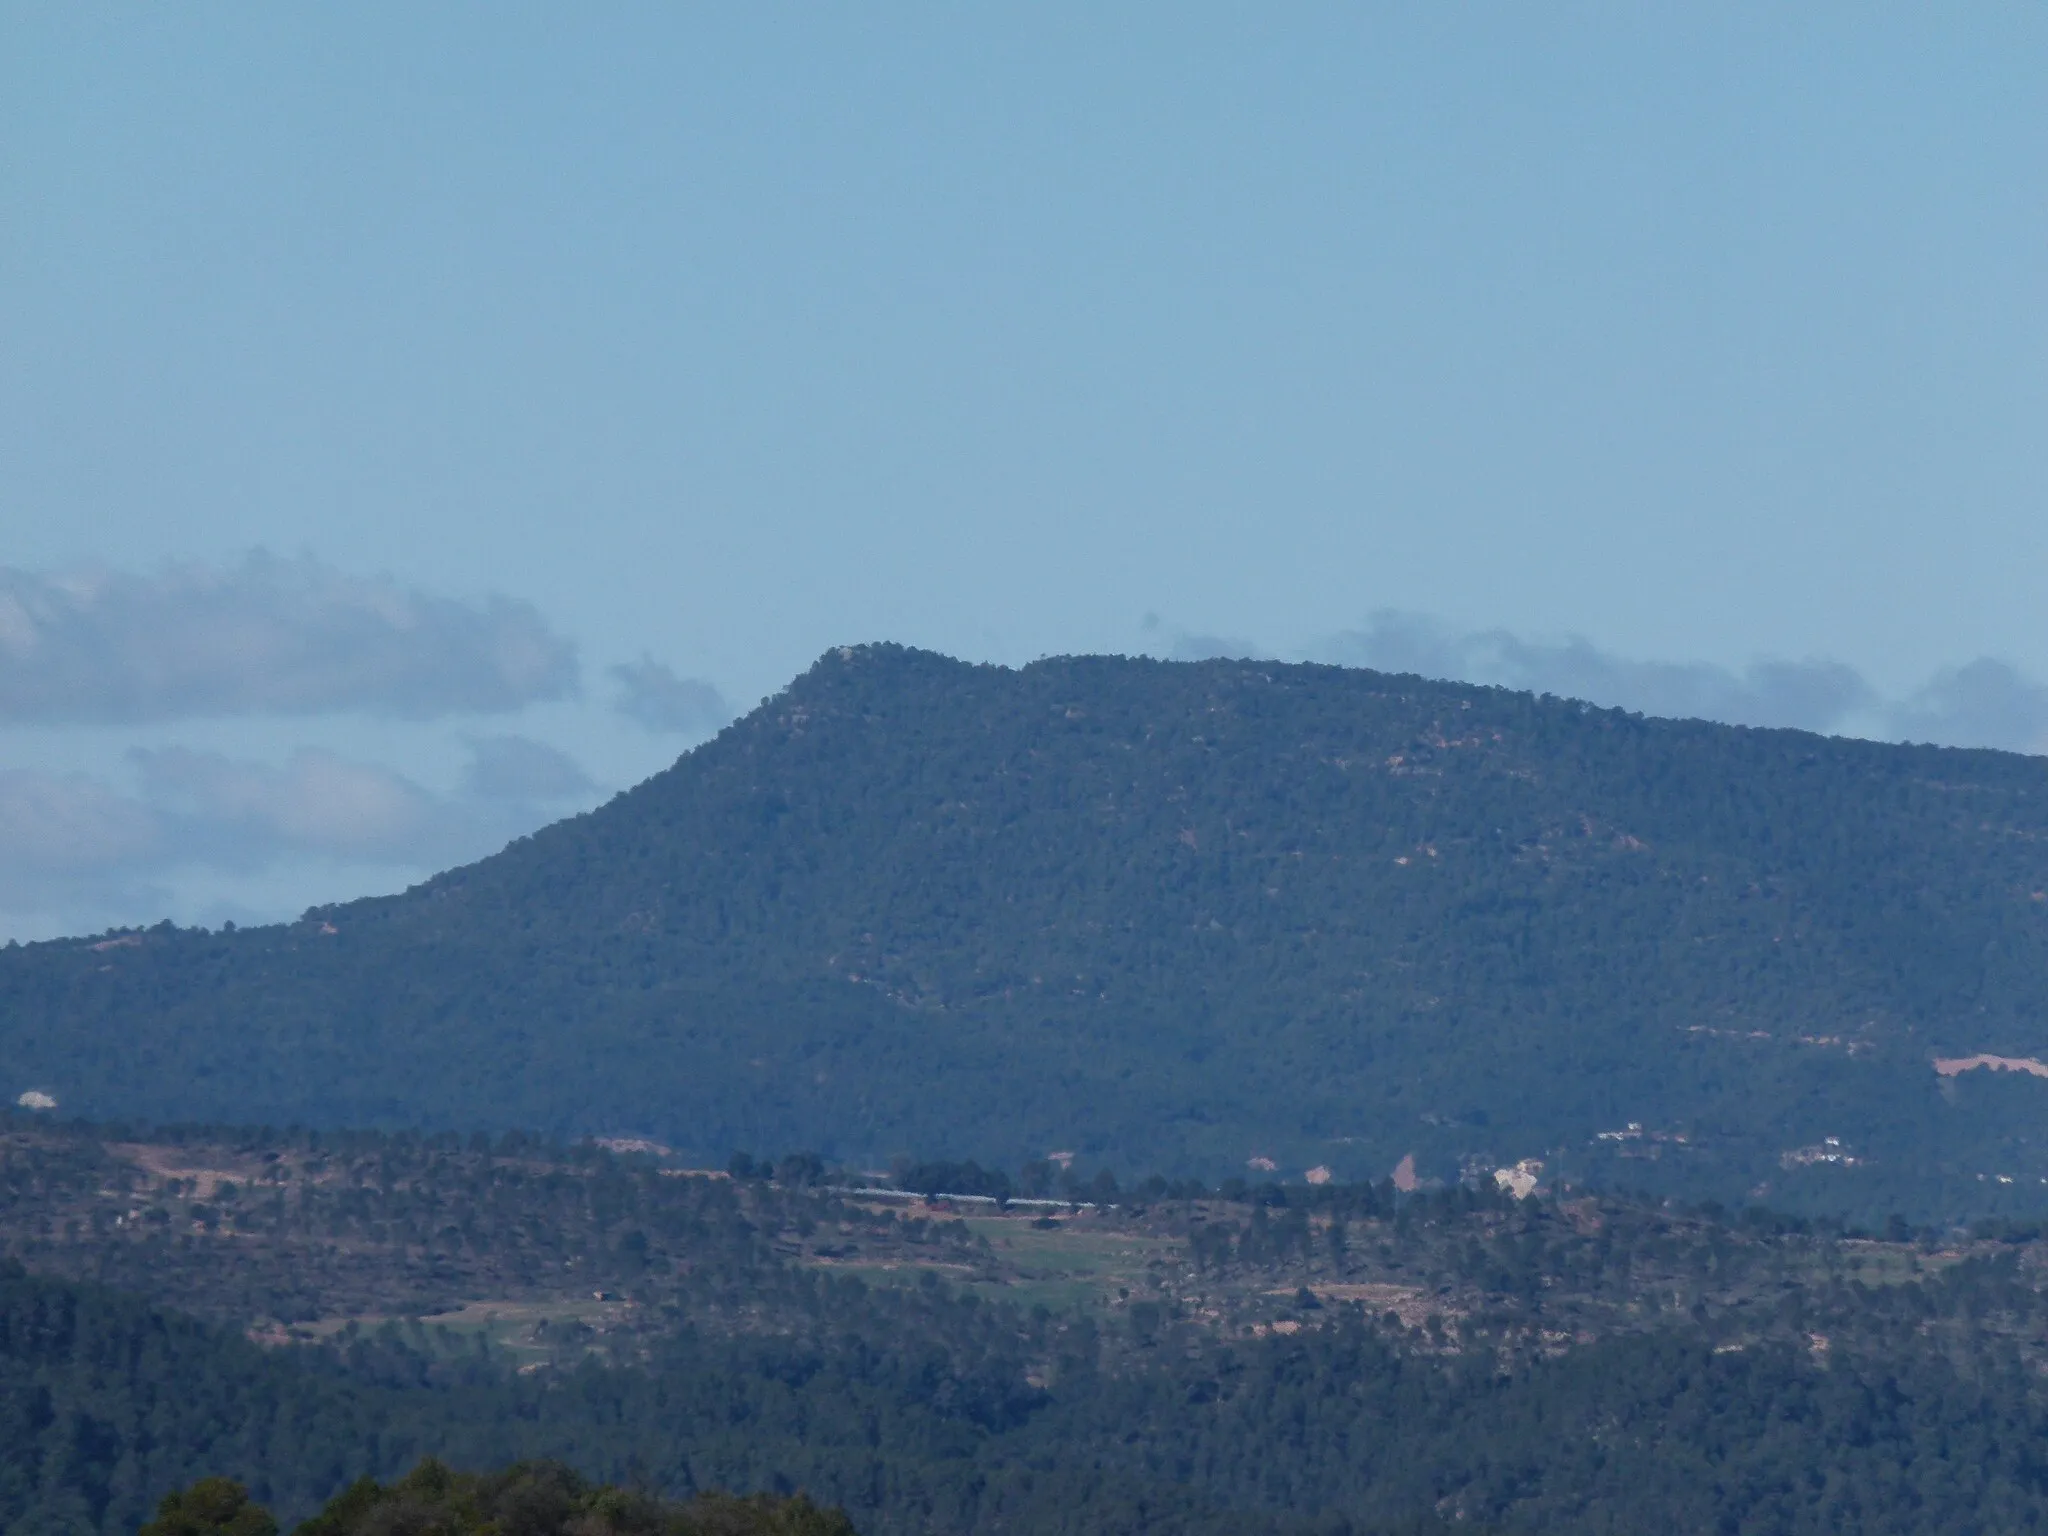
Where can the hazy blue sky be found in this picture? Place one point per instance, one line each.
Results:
(1652, 353)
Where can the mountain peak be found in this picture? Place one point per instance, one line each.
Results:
(1164, 912)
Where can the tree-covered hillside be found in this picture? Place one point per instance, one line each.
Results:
(1169, 916)
(1876, 1402)
(309, 1309)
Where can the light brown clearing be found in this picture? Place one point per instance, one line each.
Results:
(1410, 1303)
(164, 1163)
(1953, 1066)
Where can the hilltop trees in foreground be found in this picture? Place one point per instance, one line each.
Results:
(529, 1499)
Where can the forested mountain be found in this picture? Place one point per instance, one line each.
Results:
(1172, 917)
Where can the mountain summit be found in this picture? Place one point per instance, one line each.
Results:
(1173, 916)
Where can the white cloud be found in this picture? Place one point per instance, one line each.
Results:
(1815, 695)
(72, 851)
(1984, 704)
(230, 812)
(70, 823)
(653, 695)
(78, 852)
(520, 768)
(266, 636)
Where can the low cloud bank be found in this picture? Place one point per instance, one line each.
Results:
(1984, 703)
(1814, 695)
(69, 841)
(266, 636)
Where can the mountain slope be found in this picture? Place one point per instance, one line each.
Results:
(1168, 915)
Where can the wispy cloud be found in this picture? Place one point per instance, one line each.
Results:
(266, 636)
(657, 698)
(1189, 645)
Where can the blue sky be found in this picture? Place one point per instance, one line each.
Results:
(581, 373)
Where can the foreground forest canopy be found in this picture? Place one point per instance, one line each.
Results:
(1172, 917)
(300, 1311)
(531, 1499)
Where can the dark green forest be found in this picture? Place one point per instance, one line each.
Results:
(299, 1311)
(918, 1411)
(1169, 916)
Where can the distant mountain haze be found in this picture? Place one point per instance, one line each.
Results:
(1171, 916)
